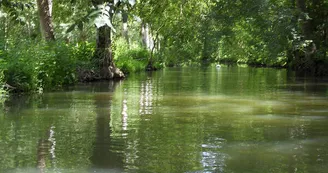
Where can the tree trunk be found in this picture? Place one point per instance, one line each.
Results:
(45, 11)
(308, 26)
(150, 65)
(145, 35)
(205, 54)
(125, 27)
(103, 54)
(311, 58)
(306, 23)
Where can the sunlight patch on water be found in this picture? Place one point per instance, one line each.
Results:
(213, 160)
(219, 105)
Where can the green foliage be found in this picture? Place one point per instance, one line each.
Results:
(3, 92)
(57, 66)
(19, 66)
(260, 33)
(101, 14)
(17, 12)
(130, 60)
(32, 66)
(83, 53)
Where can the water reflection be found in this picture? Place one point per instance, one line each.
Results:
(46, 149)
(125, 114)
(146, 97)
(213, 159)
(104, 155)
(175, 120)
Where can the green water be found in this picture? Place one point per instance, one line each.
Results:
(175, 120)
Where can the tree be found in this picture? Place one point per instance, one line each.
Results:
(125, 32)
(45, 13)
(103, 53)
(309, 53)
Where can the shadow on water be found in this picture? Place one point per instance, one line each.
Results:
(310, 84)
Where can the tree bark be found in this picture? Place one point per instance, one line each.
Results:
(306, 24)
(150, 65)
(103, 54)
(125, 33)
(145, 35)
(205, 55)
(45, 12)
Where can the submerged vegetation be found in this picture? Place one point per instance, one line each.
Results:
(46, 45)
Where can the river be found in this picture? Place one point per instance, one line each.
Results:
(229, 119)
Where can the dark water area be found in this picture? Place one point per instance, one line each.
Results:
(175, 120)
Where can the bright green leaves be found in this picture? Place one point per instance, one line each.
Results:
(101, 15)
(16, 5)
(15, 10)
(104, 15)
(44, 65)
(132, 2)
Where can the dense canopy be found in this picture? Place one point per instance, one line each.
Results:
(45, 44)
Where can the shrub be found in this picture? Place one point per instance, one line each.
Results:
(19, 67)
(130, 59)
(32, 66)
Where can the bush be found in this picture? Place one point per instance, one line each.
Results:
(130, 60)
(32, 66)
(19, 67)
(83, 52)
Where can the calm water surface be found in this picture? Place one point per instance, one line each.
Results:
(176, 120)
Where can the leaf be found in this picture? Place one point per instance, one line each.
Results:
(103, 20)
(107, 8)
(94, 12)
(132, 2)
(100, 6)
(21, 6)
(109, 23)
(100, 21)
(80, 26)
(104, 12)
(116, 1)
(2, 14)
(71, 28)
